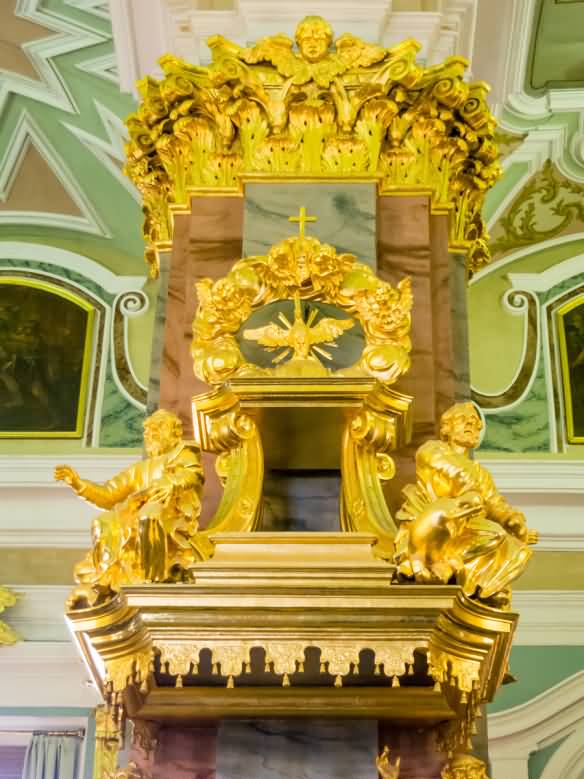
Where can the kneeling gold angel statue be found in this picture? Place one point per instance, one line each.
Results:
(454, 522)
(148, 530)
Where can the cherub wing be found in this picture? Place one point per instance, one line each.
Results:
(355, 53)
(329, 329)
(271, 335)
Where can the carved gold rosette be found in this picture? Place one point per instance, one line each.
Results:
(353, 110)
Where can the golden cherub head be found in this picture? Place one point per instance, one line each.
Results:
(461, 425)
(465, 767)
(314, 36)
(162, 432)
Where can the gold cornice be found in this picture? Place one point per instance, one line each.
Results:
(283, 594)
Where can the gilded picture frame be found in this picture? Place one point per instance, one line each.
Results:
(46, 346)
(570, 322)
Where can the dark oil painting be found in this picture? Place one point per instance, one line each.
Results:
(572, 323)
(43, 337)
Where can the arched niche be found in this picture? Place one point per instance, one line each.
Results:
(48, 340)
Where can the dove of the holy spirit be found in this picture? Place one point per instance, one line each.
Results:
(300, 337)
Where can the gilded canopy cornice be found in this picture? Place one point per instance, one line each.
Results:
(354, 110)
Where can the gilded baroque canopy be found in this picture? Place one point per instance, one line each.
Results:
(352, 110)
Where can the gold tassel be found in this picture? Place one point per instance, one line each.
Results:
(247, 668)
(179, 681)
(437, 687)
(395, 682)
(230, 683)
(411, 670)
(377, 670)
(323, 668)
(339, 681)
(301, 667)
(267, 668)
(464, 698)
(286, 681)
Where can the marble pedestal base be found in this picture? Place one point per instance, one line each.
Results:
(297, 749)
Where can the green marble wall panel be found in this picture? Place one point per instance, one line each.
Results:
(121, 421)
(345, 211)
(526, 427)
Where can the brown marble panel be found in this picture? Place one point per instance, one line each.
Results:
(420, 758)
(207, 242)
(413, 242)
(179, 752)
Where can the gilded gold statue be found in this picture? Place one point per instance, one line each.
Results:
(465, 767)
(385, 768)
(7, 634)
(454, 522)
(148, 530)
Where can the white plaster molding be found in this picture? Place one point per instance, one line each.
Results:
(109, 150)
(525, 251)
(27, 132)
(18, 250)
(516, 733)
(551, 495)
(45, 673)
(568, 761)
(525, 476)
(69, 37)
(544, 281)
(549, 617)
(39, 612)
(39, 512)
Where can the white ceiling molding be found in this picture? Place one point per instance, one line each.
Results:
(28, 132)
(70, 36)
(568, 761)
(109, 150)
(38, 512)
(144, 30)
(516, 733)
(551, 495)
(524, 476)
(45, 673)
(63, 258)
(39, 612)
(549, 617)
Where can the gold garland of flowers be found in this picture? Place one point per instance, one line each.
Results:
(358, 110)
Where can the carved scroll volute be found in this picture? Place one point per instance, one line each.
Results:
(222, 428)
(382, 425)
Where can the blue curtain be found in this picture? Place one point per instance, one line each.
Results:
(52, 757)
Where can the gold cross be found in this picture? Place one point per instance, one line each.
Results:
(302, 219)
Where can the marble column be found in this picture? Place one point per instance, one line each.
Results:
(297, 749)
(411, 241)
(176, 751)
(416, 748)
(207, 242)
